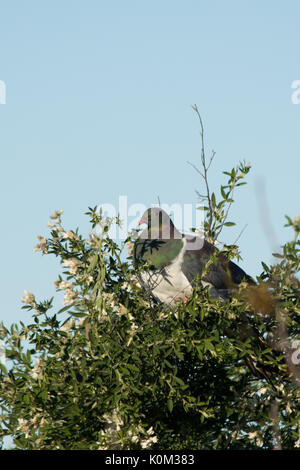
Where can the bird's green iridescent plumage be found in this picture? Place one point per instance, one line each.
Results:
(160, 243)
(157, 253)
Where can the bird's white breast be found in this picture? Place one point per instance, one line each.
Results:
(169, 284)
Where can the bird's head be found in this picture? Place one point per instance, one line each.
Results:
(159, 223)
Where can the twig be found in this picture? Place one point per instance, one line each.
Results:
(205, 167)
(197, 169)
(240, 234)
(211, 159)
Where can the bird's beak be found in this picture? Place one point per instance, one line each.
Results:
(142, 221)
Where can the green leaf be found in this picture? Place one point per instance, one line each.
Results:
(63, 309)
(93, 263)
(224, 195)
(266, 268)
(229, 224)
(78, 314)
(3, 368)
(277, 255)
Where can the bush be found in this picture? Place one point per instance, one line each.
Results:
(114, 369)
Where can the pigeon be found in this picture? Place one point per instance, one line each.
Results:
(176, 261)
(170, 263)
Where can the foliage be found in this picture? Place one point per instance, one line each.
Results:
(114, 369)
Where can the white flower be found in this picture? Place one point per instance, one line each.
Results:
(43, 246)
(103, 316)
(63, 285)
(56, 214)
(37, 369)
(288, 408)
(150, 431)
(134, 326)
(145, 444)
(23, 426)
(70, 236)
(263, 390)
(259, 441)
(297, 220)
(126, 286)
(70, 296)
(114, 419)
(28, 299)
(73, 264)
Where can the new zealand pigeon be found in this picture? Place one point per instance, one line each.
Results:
(174, 260)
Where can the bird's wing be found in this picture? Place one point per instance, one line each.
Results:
(222, 274)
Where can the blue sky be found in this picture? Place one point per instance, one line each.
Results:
(98, 104)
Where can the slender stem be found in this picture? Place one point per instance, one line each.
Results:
(205, 168)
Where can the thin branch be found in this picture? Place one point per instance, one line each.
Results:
(205, 167)
(196, 168)
(211, 159)
(201, 196)
(240, 234)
